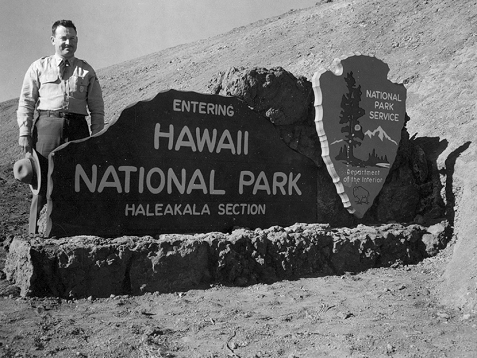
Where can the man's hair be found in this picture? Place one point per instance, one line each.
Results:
(65, 23)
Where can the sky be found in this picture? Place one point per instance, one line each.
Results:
(113, 31)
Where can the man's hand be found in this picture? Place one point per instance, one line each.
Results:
(25, 143)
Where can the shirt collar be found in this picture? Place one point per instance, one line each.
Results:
(59, 59)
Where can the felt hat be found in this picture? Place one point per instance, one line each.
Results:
(28, 171)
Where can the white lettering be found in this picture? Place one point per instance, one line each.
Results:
(241, 209)
(384, 116)
(159, 209)
(261, 184)
(185, 143)
(176, 105)
(158, 134)
(203, 140)
(80, 173)
(129, 209)
(202, 108)
(157, 180)
(279, 182)
(172, 177)
(141, 180)
(383, 95)
(127, 169)
(197, 186)
(214, 191)
(243, 182)
(115, 183)
(223, 145)
(293, 185)
(170, 209)
(206, 139)
(149, 184)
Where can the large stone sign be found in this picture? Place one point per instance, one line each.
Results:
(182, 162)
(359, 118)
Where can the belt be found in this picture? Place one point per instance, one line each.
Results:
(60, 114)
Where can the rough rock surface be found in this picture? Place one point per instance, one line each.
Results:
(410, 193)
(277, 94)
(91, 266)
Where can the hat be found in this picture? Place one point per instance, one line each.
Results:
(28, 171)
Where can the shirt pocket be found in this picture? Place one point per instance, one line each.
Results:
(50, 87)
(79, 87)
(49, 78)
(49, 83)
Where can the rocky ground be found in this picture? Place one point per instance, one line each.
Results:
(378, 313)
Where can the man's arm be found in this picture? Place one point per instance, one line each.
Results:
(26, 107)
(95, 105)
(26, 143)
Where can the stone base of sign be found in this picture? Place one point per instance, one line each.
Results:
(84, 266)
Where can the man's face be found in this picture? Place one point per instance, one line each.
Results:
(65, 41)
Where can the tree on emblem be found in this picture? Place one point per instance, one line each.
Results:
(350, 113)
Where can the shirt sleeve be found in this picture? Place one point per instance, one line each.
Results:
(95, 105)
(27, 101)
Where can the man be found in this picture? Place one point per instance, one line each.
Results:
(61, 88)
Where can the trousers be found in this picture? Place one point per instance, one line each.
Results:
(49, 132)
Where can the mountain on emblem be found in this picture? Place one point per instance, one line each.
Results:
(359, 118)
(381, 134)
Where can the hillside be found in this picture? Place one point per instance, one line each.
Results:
(427, 58)
(430, 46)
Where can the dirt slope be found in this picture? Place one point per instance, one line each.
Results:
(379, 313)
(431, 47)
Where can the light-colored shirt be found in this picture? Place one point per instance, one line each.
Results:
(43, 89)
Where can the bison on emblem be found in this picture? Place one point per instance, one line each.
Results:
(361, 195)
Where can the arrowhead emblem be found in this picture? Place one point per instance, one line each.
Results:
(359, 118)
